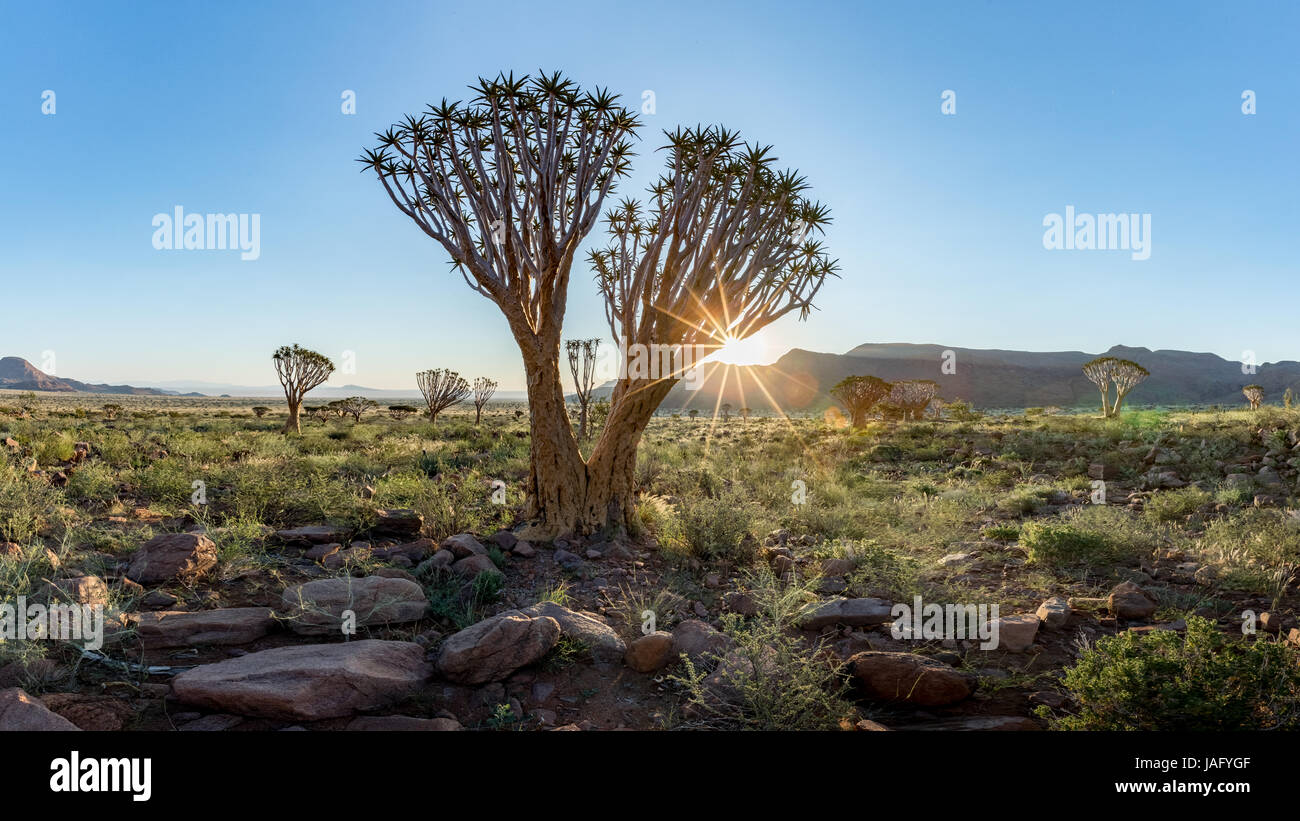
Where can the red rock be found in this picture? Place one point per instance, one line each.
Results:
(183, 557)
(307, 682)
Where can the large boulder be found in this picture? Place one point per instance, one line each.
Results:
(907, 677)
(307, 682)
(464, 545)
(183, 557)
(19, 711)
(232, 625)
(604, 644)
(497, 646)
(318, 607)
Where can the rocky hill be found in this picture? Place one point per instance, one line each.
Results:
(18, 374)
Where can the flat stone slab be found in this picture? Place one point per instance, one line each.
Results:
(19, 711)
(312, 534)
(307, 682)
(849, 612)
(319, 607)
(174, 628)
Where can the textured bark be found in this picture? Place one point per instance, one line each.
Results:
(292, 424)
(611, 470)
(557, 478)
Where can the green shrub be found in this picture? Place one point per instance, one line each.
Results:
(1172, 505)
(1060, 544)
(1198, 681)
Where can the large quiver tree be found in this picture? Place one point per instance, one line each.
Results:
(509, 184)
(722, 248)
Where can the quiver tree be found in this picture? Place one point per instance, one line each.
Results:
(1099, 371)
(483, 390)
(1254, 395)
(1126, 377)
(582, 367)
(744, 414)
(859, 394)
(356, 406)
(510, 183)
(913, 396)
(442, 388)
(299, 370)
(260, 410)
(722, 249)
(400, 412)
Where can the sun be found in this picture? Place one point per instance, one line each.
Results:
(752, 350)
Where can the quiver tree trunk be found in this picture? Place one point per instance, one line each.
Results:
(293, 424)
(611, 469)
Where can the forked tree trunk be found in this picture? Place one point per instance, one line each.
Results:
(567, 495)
(292, 424)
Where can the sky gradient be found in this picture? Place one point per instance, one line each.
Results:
(938, 219)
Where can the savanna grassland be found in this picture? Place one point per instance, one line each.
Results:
(748, 597)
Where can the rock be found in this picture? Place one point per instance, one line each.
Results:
(496, 647)
(19, 711)
(1270, 622)
(524, 549)
(567, 560)
(909, 678)
(742, 604)
(183, 557)
(394, 573)
(348, 557)
(307, 682)
(955, 559)
(92, 713)
(471, 566)
(158, 600)
(1128, 601)
(650, 652)
(696, 639)
(1206, 576)
(321, 552)
(89, 590)
(1054, 613)
(400, 523)
(414, 552)
(837, 567)
(403, 724)
(463, 545)
(850, 612)
(214, 723)
(1016, 633)
(313, 534)
(504, 539)
(33, 673)
(867, 725)
(234, 625)
(977, 724)
(317, 607)
(1047, 698)
(605, 645)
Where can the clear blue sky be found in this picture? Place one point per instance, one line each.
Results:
(235, 107)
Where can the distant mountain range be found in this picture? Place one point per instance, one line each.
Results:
(18, 374)
(801, 380)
